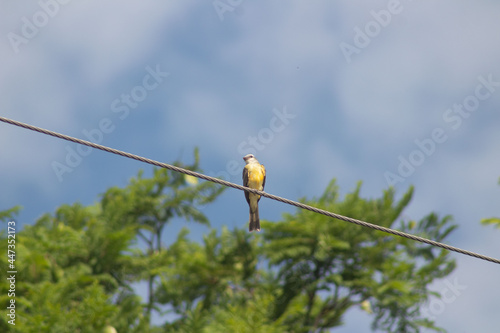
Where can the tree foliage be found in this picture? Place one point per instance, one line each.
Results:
(325, 267)
(102, 267)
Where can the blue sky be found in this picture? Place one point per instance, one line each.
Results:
(408, 90)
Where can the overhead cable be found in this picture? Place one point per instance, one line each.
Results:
(243, 188)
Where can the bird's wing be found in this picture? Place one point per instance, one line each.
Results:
(245, 182)
(264, 173)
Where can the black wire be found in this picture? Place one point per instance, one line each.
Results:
(240, 187)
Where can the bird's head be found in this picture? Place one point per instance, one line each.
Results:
(250, 159)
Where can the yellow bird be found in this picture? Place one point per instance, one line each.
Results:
(254, 176)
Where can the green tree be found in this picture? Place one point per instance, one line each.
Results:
(78, 266)
(215, 286)
(317, 269)
(148, 205)
(325, 266)
(65, 264)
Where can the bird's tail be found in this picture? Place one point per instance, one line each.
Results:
(254, 219)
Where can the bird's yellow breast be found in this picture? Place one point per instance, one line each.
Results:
(255, 176)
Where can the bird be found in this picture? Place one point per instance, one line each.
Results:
(254, 176)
